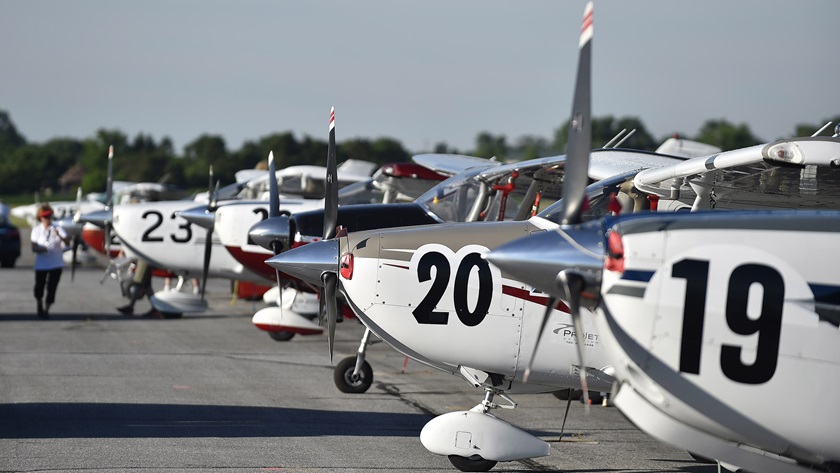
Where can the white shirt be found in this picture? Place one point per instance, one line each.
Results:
(49, 238)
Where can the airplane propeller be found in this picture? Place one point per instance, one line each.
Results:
(273, 213)
(102, 218)
(77, 235)
(330, 279)
(571, 283)
(109, 200)
(73, 228)
(208, 242)
(317, 263)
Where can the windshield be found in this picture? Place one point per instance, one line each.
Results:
(491, 193)
(383, 188)
(599, 199)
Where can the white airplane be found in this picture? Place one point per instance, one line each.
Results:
(297, 306)
(391, 183)
(154, 232)
(707, 316)
(429, 293)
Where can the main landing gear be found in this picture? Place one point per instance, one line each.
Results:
(475, 440)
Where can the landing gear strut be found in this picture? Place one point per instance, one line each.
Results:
(353, 374)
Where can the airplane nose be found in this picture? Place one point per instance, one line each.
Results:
(200, 216)
(270, 230)
(100, 218)
(308, 262)
(538, 259)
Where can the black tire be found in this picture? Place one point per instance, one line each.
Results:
(467, 464)
(172, 315)
(701, 459)
(8, 262)
(595, 397)
(282, 336)
(342, 376)
(564, 394)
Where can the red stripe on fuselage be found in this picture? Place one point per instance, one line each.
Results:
(254, 261)
(396, 266)
(95, 238)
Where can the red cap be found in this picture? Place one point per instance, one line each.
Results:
(45, 213)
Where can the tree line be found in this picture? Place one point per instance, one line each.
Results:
(62, 164)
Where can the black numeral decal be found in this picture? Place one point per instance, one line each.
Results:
(158, 221)
(186, 226)
(147, 235)
(696, 274)
(768, 324)
(425, 313)
(485, 289)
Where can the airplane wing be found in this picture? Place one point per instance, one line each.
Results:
(451, 164)
(797, 173)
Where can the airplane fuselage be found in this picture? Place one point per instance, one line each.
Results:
(152, 231)
(726, 323)
(428, 292)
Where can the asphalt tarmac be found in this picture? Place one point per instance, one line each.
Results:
(92, 390)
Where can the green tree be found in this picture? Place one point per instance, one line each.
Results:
(10, 139)
(605, 129)
(200, 154)
(727, 136)
(94, 158)
(388, 150)
(530, 147)
(488, 145)
(808, 129)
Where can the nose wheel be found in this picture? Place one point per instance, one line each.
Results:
(281, 336)
(348, 382)
(468, 464)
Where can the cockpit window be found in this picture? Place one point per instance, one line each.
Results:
(508, 192)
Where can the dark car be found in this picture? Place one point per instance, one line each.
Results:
(9, 243)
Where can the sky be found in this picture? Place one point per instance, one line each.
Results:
(420, 72)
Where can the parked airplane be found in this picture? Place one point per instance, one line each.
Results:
(429, 294)
(707, 316)
(152, 231)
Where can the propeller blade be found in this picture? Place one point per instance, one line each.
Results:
(208, 242)
(205, 269)
(580, 129)
(331, 197)
(549, 306)
(109, 183)
(574, 285)
(330, 284)
(273, 191)
(274, 212)
(74, 260)
(109, 200)
(76, 236)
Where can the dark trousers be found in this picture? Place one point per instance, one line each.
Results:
(48, 278)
